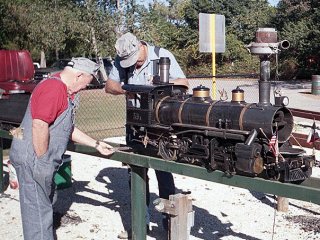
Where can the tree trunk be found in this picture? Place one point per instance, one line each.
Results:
(94, 43)
(43, 62)
(57, 53)
(98, 56)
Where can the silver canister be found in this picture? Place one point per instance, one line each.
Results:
(164, 66)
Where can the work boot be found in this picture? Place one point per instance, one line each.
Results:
(165, 221)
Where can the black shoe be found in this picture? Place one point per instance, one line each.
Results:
(165, 221)
(148, 229)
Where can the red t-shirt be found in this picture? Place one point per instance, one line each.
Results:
(49, 99)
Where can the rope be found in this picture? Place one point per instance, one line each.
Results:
(291, 135)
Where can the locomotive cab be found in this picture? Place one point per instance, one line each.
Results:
(142, 99)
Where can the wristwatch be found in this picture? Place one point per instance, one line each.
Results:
(97, 144)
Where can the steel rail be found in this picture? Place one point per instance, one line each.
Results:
(305, 114)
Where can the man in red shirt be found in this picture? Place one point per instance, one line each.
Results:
(37, 149)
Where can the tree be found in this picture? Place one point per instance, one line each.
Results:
(298, 22)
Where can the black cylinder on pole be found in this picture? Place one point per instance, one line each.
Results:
(264, 83)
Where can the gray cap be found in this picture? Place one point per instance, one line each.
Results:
(84, 65)
(127, 47)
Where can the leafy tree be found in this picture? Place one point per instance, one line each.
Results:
(62, 28)
(298, 22)
(66, 28)
(243, 18)
(3, 37)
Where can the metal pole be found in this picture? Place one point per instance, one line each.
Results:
(213, 48)
(1, 166)
(138, 202)
(264, 82)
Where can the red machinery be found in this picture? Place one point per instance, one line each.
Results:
(16, 85)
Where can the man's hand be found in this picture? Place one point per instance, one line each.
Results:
(105, 149)
(180, 81)
(113, 87)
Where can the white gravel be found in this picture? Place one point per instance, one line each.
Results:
(98, 207)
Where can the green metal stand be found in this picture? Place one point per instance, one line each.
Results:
(308, 191)
(138, 202)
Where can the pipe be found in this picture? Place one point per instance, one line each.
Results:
(285, 44)
(264, 82)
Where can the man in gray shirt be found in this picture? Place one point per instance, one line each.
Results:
(134, 64)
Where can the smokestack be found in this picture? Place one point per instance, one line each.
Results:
(265, 45)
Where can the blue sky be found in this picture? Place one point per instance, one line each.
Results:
(273, 2)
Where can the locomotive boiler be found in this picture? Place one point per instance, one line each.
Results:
(232, 136)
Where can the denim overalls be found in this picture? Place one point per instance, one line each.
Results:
(35, 174)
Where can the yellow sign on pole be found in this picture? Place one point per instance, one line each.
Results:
(213, 49)
(212, 39)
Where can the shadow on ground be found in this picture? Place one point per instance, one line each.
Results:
(206, 225)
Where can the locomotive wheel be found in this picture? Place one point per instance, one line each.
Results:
(165, 152)
(184, 148)
(273, 174)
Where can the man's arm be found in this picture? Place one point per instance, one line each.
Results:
(113, 87)
(180, 81)
(82, 138)
(40, 136)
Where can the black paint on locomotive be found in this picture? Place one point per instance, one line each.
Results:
(232, 136)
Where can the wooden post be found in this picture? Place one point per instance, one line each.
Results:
(179, 207)
(282, 204)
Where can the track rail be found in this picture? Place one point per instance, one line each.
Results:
(302, 138)
(305, 114)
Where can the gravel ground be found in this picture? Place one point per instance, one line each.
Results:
(97, 206)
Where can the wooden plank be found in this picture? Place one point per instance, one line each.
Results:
(179, 223)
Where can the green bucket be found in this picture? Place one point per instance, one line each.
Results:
(63, 177)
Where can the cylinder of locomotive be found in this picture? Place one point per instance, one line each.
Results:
(227, 115)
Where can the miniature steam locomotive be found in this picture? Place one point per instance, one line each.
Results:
(231, 136)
